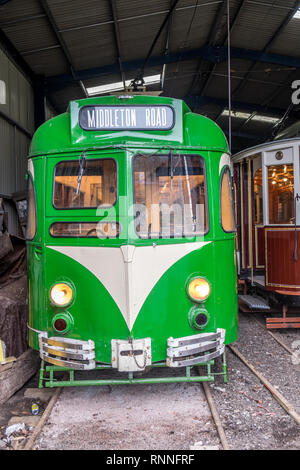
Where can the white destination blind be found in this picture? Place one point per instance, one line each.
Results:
(126, 117)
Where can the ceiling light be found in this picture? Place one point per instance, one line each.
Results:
(297, 14)
(236, 114)
(268, 119)
(118, 86)
(256, 117)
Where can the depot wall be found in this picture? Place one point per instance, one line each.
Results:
(16, 129)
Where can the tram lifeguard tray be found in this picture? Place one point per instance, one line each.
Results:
(67, 352)
(194, 350)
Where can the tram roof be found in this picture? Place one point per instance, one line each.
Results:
(190, 131)
(275, 144)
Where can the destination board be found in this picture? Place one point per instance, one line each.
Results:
(140, 118)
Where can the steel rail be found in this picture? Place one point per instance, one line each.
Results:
(30, 443)
(274, 336)
(216, 417)
(283, 402)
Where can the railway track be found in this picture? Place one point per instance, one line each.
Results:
(275, 336)
(210, 401)
(226, 442)
(32, 439)
(285, 404)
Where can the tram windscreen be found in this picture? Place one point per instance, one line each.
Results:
(170, 196)
(85, 184)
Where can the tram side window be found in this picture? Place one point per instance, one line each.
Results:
(170, 196)
(281, 194)
(258, 197)
(31, 219)
(90, 187)
(227, 206)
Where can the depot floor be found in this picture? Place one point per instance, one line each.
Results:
(176, 416)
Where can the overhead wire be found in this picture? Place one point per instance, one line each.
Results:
(140, 75)
(186, 38)
(229, 75)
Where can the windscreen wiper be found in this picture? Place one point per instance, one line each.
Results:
(80, 174)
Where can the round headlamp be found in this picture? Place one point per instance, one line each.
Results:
(61, 294)
(198, 289)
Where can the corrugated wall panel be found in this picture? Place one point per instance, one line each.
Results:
(14, 143)
(22, 146)
(19, 94)
(7, 162)
(4, 76)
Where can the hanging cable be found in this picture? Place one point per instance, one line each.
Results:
(186, 40)
(229, 73)
(280, 124)
(139, 80)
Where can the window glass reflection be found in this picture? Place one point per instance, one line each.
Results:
(281, 194)
(97, 186)
(227, 206)
(258, 198)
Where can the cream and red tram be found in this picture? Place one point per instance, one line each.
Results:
(267, 191)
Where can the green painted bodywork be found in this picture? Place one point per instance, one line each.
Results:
(166, 310)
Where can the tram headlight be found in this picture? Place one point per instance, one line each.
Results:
(61, 294)
(198, 289)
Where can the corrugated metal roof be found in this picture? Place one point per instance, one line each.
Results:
(85, 35)
(72, 14)
(99, 47)
(19, 9)
(30, 35)
(50, 62)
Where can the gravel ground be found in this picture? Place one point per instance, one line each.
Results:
(176, 416)
(251, 417)
(140, 417)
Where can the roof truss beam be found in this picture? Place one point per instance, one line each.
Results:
(214, 54)
(201, 101)
(113, 7)
(49, 15)
(271, 41)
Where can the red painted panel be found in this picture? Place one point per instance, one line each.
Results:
(260, 247)
(282, 271)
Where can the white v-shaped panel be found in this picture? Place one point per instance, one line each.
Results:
(149, 266)
(129, 273)
(106, 264)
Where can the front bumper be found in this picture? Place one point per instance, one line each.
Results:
(132, 355)
(195, 350)
(67, 352)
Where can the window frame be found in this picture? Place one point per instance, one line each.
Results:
(280, 224)
(85, 237)
(261, 222)
(90, 207)
(224, 170)
(206, 194)
(30, 179)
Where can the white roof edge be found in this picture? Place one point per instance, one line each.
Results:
(257, 148)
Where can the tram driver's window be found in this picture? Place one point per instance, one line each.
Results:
(281, 194)
(84, 185)
(227, 205)
(258, 197)
(31, 219)
(170, 196)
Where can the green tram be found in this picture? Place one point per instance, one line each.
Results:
(131, 242)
